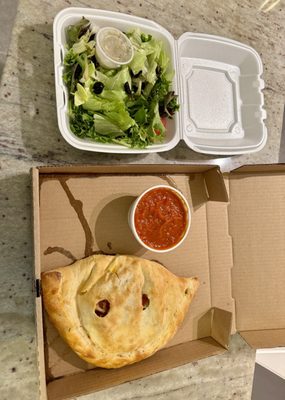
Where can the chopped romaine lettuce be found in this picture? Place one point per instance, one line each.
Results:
(105, 127)
(80, 96)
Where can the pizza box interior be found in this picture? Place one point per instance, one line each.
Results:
(235, 247)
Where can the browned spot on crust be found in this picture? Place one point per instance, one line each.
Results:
(53, 274)
(145, 301)
(57, 275)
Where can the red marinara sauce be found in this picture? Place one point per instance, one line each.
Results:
(161, 218)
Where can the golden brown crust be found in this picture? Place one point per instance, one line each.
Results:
(97, 305)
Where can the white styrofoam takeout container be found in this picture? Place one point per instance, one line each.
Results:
(218, 81)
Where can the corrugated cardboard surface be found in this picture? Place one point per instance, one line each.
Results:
(260, 168)
(37, 271)
(267, 338)
(237, 250)
(257, 226)
(81, 214)
(98, 379)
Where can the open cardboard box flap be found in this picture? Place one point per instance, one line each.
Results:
(256, 225)
(237, 250)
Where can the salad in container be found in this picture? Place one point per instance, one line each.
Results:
(117, 77)
(119, 85)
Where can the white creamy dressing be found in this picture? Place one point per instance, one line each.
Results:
(115, 45)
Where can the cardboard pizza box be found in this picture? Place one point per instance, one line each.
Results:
(235, 247)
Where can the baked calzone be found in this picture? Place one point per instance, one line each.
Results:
(116, 310)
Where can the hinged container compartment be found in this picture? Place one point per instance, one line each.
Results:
(218, 81)
(235, 247)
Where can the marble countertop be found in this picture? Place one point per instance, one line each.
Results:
(29, 136)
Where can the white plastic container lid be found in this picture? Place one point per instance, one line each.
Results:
(222, 108)
(218, 82)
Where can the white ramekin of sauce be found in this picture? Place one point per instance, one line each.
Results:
(113, 48)
(160, 218)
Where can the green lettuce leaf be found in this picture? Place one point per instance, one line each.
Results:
(73, 32)
(156, 124)
(105, 127)
(116, 81)
(81, 46)
(138, 62)
(89, 71)
(121, 118)
(80, 96)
